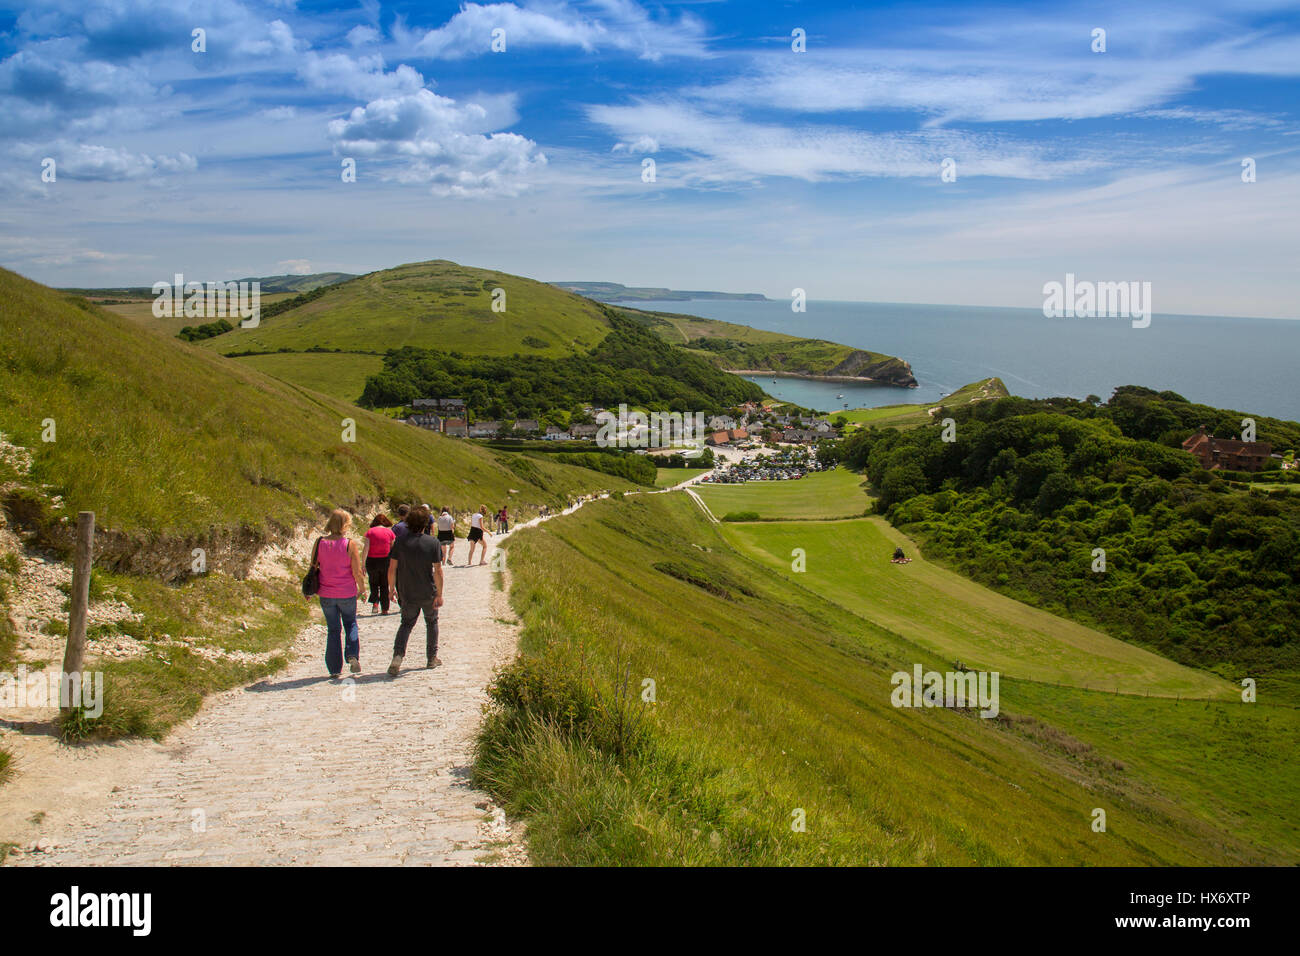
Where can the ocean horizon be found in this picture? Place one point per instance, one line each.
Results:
(1245, 364)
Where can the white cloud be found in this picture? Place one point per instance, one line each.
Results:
(361, 77)
(362, 36)
(1225, 119)
(49, 87)
(295, 267)
(641, 145)
(1014, 71)
(439, 142)
(81, 161)
(592, 26)
(728, 149)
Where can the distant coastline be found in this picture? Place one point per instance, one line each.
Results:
(617, 292)
(849, 379)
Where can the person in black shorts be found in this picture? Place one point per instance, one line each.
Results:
(476, 533)
(446, 525)
(415, 576)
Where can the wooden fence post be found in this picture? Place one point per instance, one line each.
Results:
(75, 654)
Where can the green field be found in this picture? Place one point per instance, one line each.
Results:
(824, 494)
(667, 477)
(435, 304)
(340, 375)
(771, 701)
(848, 562)
(140, 311)
(902, 416)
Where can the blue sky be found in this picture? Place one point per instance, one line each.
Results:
(774, 169)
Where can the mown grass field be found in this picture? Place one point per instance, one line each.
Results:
(903, 416)
(340, 375)
(824, 494)
(667, 477)
(435, 304)
(771, 700)
(848, 562)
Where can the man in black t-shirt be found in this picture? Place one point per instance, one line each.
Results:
(415, 576)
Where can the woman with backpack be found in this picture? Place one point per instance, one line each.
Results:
(337, 561)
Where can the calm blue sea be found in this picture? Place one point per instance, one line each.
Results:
(1252, 365)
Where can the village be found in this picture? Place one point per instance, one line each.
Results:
(748, 426)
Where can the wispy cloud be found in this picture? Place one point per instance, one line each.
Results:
(593, 26)
(727, 149)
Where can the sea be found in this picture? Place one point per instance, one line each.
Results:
(1250, 365)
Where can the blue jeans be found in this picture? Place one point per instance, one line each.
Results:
(340, 615)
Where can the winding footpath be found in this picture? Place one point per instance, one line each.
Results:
(300, 769)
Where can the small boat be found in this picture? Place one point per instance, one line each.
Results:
(841, 395)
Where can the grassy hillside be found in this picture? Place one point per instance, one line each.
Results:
(771, 701)
(163, 438)
(907, 416)
(630, 365)
(733, 346)
(1049, 502)
(174, 448)
(435, 304)
(848, 563)
(682, 329)
(340, 375)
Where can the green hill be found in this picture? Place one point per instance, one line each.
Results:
(175, 448)
(742, 348)
(685, 700)
(163, 438)
(909, 416)
(435, 304)
(297, 284)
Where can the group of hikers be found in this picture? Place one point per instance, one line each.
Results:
(402, 560)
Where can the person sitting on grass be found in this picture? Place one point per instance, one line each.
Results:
(899, 557)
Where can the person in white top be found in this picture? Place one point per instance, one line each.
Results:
(446, 534)
(476, 536)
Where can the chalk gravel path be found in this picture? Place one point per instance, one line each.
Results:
(302, 770)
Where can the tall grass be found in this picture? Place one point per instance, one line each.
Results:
(775, 706)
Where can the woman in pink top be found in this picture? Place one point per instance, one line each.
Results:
(341, 580)
(375, 554)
